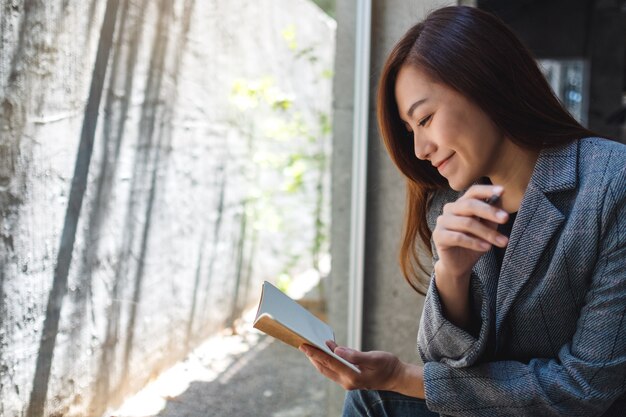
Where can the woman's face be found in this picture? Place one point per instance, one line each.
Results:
(448, 130)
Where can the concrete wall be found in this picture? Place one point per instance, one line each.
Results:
(140, 206)
(343, 105)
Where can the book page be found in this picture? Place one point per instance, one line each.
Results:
(296, 319)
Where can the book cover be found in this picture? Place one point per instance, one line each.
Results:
(284, 319)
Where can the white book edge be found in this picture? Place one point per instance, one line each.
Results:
(298, 320)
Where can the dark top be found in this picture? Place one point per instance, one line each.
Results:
(504, 229)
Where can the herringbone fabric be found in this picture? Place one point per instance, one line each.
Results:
(551, 324)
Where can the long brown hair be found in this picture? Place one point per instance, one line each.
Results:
(476, 54)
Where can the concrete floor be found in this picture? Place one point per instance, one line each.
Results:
(249, 374)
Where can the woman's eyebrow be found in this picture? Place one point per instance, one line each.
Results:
(414, 106)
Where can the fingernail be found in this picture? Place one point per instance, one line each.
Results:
(502, 215)
(501, 240)
(498, 189)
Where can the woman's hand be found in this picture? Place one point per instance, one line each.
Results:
(464, 232)
(379, 370)
(467, 229)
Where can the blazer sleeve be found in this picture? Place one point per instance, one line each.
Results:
(588, 374)
(439, 340)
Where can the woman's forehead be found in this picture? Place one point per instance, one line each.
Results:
(413, 85)
(411, 74)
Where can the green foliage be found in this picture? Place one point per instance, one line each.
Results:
(283, 282)
(294, 173)
(326, 127)
(289, 35)
(283, 141)
(250, 94)
(286, 128)
(327, 74)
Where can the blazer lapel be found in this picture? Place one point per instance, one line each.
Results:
(537, 221)
(486, 269)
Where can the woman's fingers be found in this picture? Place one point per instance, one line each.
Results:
(481, 201)
(379, 370)
(483, 192)
(331, 344)
(331, 367)
(466, 232)
(323, 367)
(324, 360)
(351, 355)
(460, 240)
(471, 222)
(476, 208)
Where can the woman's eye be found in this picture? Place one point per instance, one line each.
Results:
(425, 120)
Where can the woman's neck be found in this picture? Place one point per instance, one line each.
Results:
(512, 171)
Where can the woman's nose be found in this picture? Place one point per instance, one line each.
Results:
(422, 147)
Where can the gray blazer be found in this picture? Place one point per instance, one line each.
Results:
(550, 336)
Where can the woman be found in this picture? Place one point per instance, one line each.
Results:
(525, 210)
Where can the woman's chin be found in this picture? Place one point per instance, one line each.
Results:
(459, 185)
(455, 185)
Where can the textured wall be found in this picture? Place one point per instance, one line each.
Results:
(139, 209)
(341, 168)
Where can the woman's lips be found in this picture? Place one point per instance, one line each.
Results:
(443, 163)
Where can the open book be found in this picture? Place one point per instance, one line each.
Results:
(281, 317)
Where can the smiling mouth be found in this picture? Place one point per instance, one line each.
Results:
(443, 163)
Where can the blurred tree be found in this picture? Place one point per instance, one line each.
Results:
(327, 5)
(288, 142)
